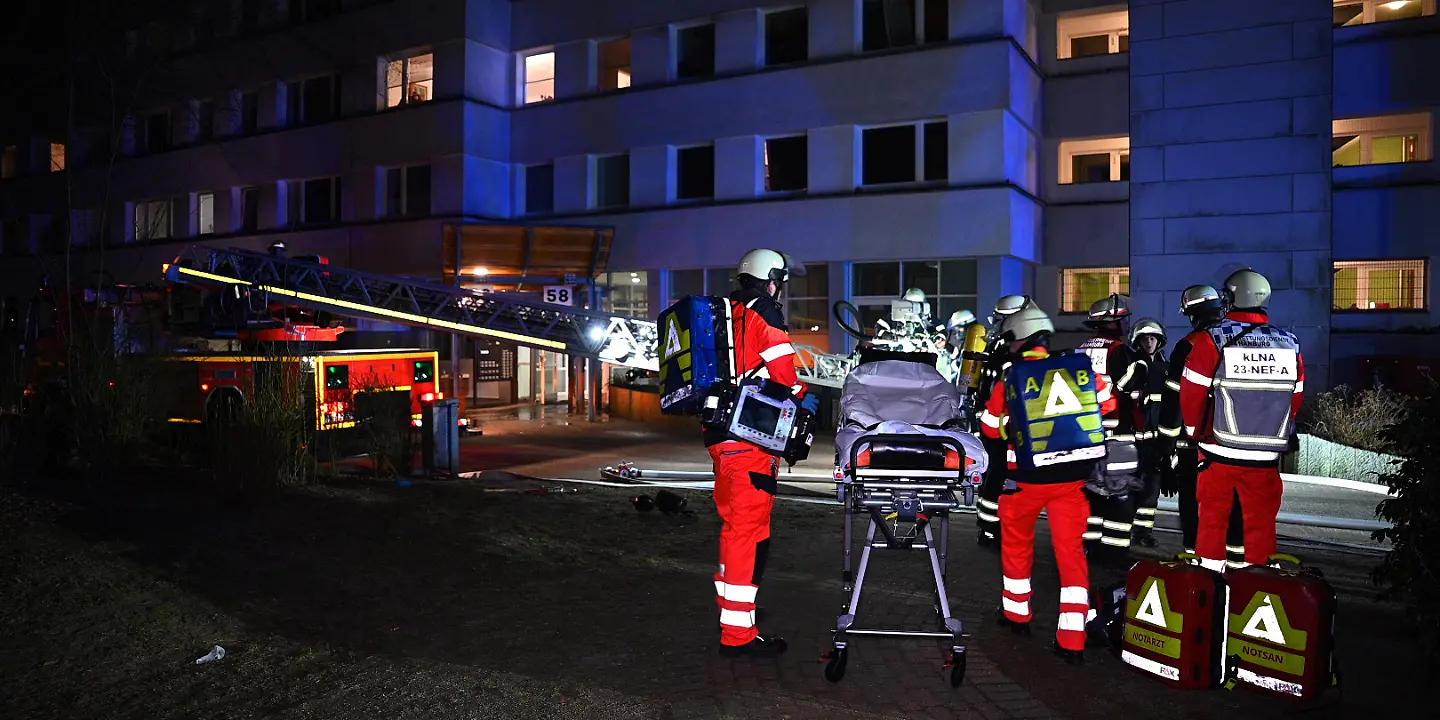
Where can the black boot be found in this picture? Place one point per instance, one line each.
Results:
(1071, 657)
(760, 647)
(1144, 538)
(1019, 628)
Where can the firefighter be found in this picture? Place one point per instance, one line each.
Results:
(1202, 306)
(744, 474)
(997, 358)
(1112, 511)
(1243, 430)
(1047, 411)
(1147, 340)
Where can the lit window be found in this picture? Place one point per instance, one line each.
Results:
(914, 152)
(539, 77)
(1380, 285)
(615, 64)
(1363, 12)
(152, 220)
(625, 293)
(1381, 140)
(1092, 32)
(205, 210)
(807, 298)
(949, 285)
(410, 80)
(57, 157)
(1094, 160)
(1082, 287)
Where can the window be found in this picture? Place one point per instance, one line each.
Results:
(249, 110)
(1095, 160)
(152, 220)
(787, 36)
(1380, 285)
(1091, 33)
(695, 172)
(1381, 140)
(807, 300)
(205, 211)
(625, 293)
(204, 120)
(314, 100)
(410, 80)
(889, 24)
(303, 11)
(10, 168)
(695, 52)
(684, 283)
(787, 165)
(84, 227)
(949, 285)
(614, 59)
(249, 209)
(539, 77)
(905, 153)
(612, 181)
(407, 191)
(57, 157)
(315, 202)
(1364, 12)
(540, 189)
(1082, 287)
(157, 132)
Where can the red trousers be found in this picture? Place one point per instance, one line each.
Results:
(744, 496)
(1260, 490)
(1067, 509)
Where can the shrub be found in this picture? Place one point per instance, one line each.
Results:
(264, 444)
(1357, 419)
(1409, 572)
(382, 418)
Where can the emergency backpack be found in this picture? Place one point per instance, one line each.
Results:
(1254, 386)
(1054, 412)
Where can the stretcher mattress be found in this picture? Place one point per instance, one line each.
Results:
(902, 397)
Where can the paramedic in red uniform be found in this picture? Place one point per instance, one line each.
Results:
(1243, 430)
(1057, 400)
(744, 474)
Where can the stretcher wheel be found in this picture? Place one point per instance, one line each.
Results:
(957, 670)
(835, 665)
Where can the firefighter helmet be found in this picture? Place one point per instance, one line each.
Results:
(1114, 308)
(914, 295)
(1247, 290)
(1147, 326)
(959, 319)
(1028, 323)
(1009, 305)
(1198, 299)
(761, 266)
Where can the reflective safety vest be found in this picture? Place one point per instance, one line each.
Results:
(1099, 349)
(1254, 386)
(1054, 414)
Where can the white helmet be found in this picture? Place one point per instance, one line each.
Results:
(1247, 290)
(762, 266)
(959, 319)
(1025, 324)
(1147, 326)
(914, 295)
(1008, 305)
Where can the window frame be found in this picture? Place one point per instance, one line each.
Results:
(1367, 14)
(301, 207)
(525, 81)
(919, 159)
(404, 174)
(1118, 147)
(166, 231)
(1111, 21)
(1115, 272)
(862, 301)
(921, 23)
(680, 28)
(1365, 267)
(551, 208)
(1367, 129)
(299, 89)
(200, 213)
(598, 202)
(241, 211)
(405, 60)
(765, 162)
(765, 34)
(639, 308)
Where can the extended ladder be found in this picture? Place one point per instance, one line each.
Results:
(352, 293)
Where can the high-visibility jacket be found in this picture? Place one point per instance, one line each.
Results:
(1240, 389)
(998, 422)
(1113, 358)
(1149, 393)
(762, 346)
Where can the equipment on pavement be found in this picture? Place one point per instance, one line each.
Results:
(1282, 629)
(1174, 628)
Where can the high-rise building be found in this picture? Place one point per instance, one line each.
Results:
(970, 148)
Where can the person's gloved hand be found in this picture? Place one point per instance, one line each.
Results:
(811, 402)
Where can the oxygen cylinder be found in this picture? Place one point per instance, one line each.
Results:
(973, 356)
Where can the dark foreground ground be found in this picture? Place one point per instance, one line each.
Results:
(364, 599)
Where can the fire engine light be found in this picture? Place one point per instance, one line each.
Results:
(204, 387)
(427, 397)
(439, 396)
(482, 272)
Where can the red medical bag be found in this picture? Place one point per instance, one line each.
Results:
(1282, 630)
(1175, 623)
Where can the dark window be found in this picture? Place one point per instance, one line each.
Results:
(1089, 46)
(612, 181)
(249, 16)
(249, 113)
(302, 11)
(319, 201)
(888, 24)
(787, 36)
(337, 377)
(888, 155)
(695, 56)
(875, 279)
(787, 165)
(937, 21)
(249, 209)
(424, 371)
(1124, 43)
(937, 151)
(157, 132)
(540, 189)
(204, 121)
(1349, 14)
(695, 172)
(315, 100)
(1090, 168)
(1125, 167)
(407, 191)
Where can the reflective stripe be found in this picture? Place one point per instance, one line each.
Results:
(1190, 430)
(1091, 615)
(1010, 454)
(1196, 378)
(1145, 523)
(797, 389)
(1144, 511)
(1269, 683)
(1150, 666)
(738, 618)
(1115, 542)
(990, 420)
(1015, 606)
(740, 593)
(720, 588)
(1237, 549)
(1074, 595)
(1018, 586)
(1073, 621)
(1216, 565)
(982, 502)
(775, 352)
(1170, 431)
(1173, 385)
(986, 516)
(1122, 438)
(1122, 466)
(1156, 397)
(1091, 535)
(1094, 520)
(1112, 525)
(1233, 454)
(1300, 386)
(1103, 394)
(1232, 565)
(1112, 423)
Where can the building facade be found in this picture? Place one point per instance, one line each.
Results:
(970, 148)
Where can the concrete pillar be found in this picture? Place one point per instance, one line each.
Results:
(651, 180)
(989, 18)
(739, 41)
(1230, 156)
(572, 184)
(652, 56)
(996, 277)
(574, 69)
(488, 74)
(271, 106)
(739, 167)
(834, 158)
(834, 28)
